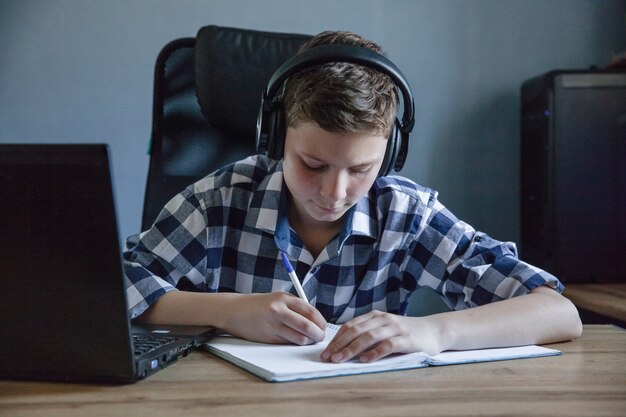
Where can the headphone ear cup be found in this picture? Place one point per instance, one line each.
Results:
(276, 134)
(391, 153)
(402, 149)
(262, 129)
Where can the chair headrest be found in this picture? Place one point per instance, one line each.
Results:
(232, 68)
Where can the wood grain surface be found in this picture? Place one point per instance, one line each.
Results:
(589, 379)
(605, 299)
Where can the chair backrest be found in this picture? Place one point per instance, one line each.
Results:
(207, 92)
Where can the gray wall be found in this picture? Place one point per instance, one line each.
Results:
(81, 71)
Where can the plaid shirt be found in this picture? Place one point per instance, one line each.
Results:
(225, 233)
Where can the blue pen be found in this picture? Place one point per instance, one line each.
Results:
(294, 277)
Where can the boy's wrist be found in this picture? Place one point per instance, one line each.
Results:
(222, 309)
(441, 331)
(192, 308)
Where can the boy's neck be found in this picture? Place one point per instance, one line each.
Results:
(314, 235)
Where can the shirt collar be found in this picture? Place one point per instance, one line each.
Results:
(263, 208)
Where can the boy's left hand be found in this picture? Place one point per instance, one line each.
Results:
(377, 334)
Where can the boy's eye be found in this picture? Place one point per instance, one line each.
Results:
(311, 166)
(361, 171)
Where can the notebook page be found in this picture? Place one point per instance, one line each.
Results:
(489, 355)
(291, 362)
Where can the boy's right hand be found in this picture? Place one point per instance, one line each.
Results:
(275, 317)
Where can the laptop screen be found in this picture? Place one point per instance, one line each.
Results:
(62, 304)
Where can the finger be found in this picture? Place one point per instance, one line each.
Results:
(356, 339)
(352, 329)
(363, 343)
(359, 322)
(303, 326)
(288, 335)
(307, 310)
(383, 349)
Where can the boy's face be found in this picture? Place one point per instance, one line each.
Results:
(327, 173)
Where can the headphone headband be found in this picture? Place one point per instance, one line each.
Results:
(271, 130)
(345, 53)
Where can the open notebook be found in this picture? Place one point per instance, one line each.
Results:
(281, 363)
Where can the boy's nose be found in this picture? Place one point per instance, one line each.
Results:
(333, 187)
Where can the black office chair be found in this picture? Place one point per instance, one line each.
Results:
(207, 92)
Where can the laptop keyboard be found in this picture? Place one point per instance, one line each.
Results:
(145, 344)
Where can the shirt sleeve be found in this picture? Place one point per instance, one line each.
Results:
(469, 268)
(173, 249)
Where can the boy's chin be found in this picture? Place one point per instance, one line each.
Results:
(327, 216)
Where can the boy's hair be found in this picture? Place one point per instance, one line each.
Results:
(341, 97)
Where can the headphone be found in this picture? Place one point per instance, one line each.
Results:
(270, 127)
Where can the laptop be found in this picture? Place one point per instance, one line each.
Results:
(63, 308)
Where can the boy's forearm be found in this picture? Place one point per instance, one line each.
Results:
(275, 317)
(542, 316)
(191, 308)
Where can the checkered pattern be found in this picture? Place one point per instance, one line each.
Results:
(225, 233)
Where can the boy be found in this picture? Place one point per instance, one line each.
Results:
(360, 242)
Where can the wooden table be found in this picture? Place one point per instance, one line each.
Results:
(589, 379)
(607, 300)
